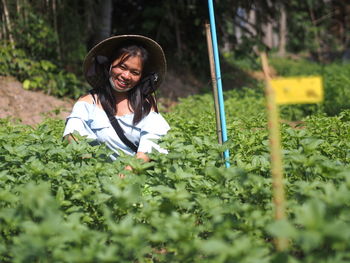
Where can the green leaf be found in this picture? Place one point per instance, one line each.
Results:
(26, 84)
(282, 229)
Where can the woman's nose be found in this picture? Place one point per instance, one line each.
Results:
(126, 74)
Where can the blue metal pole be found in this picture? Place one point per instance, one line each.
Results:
(219, 83)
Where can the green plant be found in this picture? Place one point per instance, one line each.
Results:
(336, 83)
(64, 202)
(39, 75)
(36, 37)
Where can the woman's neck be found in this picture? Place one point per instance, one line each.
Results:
(120, 96)
(122, 103)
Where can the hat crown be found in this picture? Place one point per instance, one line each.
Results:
(107, 49)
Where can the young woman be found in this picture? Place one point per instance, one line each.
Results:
(124, 72)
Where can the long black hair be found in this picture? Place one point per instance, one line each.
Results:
(141, 98)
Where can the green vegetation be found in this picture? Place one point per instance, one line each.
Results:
(39, 74)
(336, 82)
(65, 202)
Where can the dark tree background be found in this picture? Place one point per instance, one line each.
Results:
(62, 31)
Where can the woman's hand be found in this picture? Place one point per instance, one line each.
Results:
(127, 168)
(70, 138)
(139, 155)
(143, 156)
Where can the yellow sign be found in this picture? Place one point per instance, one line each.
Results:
(297, 90)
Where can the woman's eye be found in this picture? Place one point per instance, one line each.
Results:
(136, 73)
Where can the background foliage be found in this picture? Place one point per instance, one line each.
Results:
(62, 31)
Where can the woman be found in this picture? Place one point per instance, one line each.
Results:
(124, 72)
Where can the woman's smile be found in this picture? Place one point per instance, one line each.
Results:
(126, 74)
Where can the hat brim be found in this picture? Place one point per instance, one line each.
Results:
(108, 47)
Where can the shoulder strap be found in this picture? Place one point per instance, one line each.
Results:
(117, 128)
(120, 132)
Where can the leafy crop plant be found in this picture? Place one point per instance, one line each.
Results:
(63, 202)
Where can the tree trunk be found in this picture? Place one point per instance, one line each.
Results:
(238, 23)
(54, 15)
(18, 7)
(245, 24)
(227, 32)
(252, 21)
(177, 34)
(8, 24)
(347, 26)
(252, 26)
(25, 14)
(102, 21)
(317, 38)
(268, 34)
(282, 32)
(2, 29)
(88, 13)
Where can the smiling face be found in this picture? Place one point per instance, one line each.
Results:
(125, 72)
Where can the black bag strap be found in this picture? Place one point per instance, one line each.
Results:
(119, 130)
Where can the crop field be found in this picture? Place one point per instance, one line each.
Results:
(63, 202)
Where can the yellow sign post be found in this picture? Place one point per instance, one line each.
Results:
(297, 90)
(284, 91)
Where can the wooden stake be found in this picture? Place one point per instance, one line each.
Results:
(213, 81)
(275, 151)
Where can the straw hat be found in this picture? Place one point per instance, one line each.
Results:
(104, 51)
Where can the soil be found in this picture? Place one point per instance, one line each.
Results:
(31, 107)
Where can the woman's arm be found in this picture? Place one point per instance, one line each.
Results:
(76, 120)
